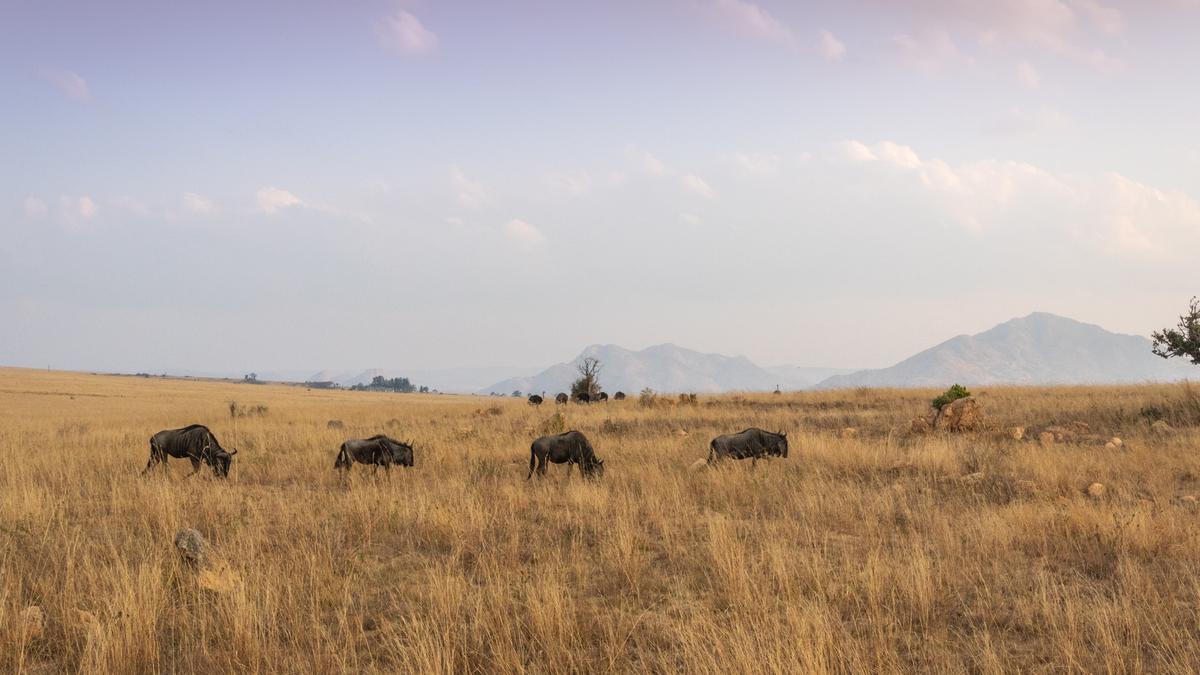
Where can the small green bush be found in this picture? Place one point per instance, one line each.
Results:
(648, 398)
(950, 395)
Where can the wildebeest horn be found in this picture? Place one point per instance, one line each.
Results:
(233, 452)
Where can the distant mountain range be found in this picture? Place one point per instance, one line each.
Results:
(1036, 349)
(665, 368)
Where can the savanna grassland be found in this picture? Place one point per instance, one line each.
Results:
(882, 552)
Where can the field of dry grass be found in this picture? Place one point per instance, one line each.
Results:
(882, 552)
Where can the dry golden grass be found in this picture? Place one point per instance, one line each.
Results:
(858, 555)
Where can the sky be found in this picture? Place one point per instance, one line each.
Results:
(242, 186)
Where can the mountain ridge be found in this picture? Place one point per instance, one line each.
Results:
(1037, 349)
(666, 368)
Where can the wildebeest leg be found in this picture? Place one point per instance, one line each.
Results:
(570, 465)
(152, 462)
(156, 456)
(195, 465)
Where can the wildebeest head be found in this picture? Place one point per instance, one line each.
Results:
(780, 448)
(220, 461)
(593, 469)
(402, 453)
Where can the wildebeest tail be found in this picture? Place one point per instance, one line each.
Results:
(343, 459)
(712, 450)
(532, 461)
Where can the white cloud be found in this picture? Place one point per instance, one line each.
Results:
(1065, 28)
(693, 183)
(690, 219)
(34, 207)
(854, 151)
(1119, 215)
(757, 163)
(1027, 75)
(406, 33)
(830, 48)
(573, 183)
(271, 200)
(71, 84)
(897, 155)
(523, 232)
(74, 211)
(85, 207)
(646, 162)
(471, 194)
(749, 19)
(199, 204)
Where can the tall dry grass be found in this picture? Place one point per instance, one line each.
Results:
(867, 554)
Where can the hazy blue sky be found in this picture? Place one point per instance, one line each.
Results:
(343, 184)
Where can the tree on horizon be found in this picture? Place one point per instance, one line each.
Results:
(1184, 339)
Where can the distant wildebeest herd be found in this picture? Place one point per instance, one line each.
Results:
(562, 398)
(197, 444)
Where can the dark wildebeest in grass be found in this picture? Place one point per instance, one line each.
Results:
(378, 450)
(602, 397)
(619, 396)
(752, 443)
(194, 442)
(583, 397)
(561, 398)
(570, 448)
(535, 400)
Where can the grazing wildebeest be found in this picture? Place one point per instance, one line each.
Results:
(583, 397)
(570, 448)
(619, 396)
(752, 443)
(196, 443)
(561, 398)
(378, 450)
(602, 397)
(535, 400)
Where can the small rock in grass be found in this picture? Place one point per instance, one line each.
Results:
(191, 545)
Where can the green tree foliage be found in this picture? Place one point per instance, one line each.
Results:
(950, 395)
(381, 383)
(1184, 339)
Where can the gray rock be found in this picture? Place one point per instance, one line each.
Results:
(191, 546)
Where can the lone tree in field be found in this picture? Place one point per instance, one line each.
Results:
(1184, 339)
(589, 378)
